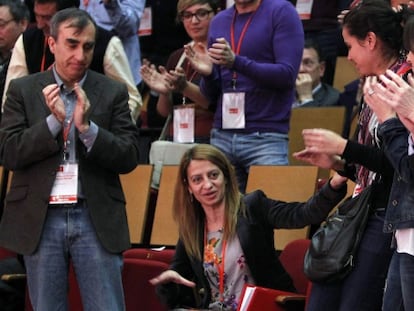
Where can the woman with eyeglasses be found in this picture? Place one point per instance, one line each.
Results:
(177, 82)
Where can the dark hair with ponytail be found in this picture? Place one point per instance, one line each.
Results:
(408, 36)
(379, 17)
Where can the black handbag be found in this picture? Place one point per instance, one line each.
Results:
(331, 254)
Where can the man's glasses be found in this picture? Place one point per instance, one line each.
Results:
(4, 23)
(307, 62)
(201, 15)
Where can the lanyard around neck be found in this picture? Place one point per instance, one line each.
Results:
(43, 62)
(237, 47)
(67, 123)
(220, 265)
(66, 128)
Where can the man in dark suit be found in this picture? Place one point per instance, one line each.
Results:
(31, 52)
(67, 134)
(310, 90)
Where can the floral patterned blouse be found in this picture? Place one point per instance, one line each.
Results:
(236, 271)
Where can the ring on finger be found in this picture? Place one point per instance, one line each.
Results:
(370, 92)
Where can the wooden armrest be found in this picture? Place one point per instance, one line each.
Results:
(291, 302)
(13, 277)
(283, 299)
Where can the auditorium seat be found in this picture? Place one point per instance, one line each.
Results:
(287, 183)
(139, 293)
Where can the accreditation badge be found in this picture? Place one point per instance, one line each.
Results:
(65, 188)
(233, 111)
(145, 25)
(304, 8)
(184, 116)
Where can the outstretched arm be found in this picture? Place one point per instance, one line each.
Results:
(171, 276)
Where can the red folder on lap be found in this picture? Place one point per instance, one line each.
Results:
(256, 298)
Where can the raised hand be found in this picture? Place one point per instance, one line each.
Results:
(322, 160)
(221, 53)
(337, 181)
(323, 141)
(304, 87)
(341, 16)
(199, 58)
(154, 79)
(80, 119)
(397, 93)
(54, 102)
(171, 276)
(177, 79)
(376, 99)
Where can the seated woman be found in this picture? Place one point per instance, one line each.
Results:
(226, 239)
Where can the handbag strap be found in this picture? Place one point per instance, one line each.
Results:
(164, 130)
(169, 117)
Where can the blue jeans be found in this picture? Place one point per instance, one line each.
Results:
(362, 289)
(399, 290)
(68, 234)
(244, 150)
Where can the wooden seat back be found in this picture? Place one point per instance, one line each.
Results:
(164, 229)
(136, 186)
(286, 183)
(331, 118)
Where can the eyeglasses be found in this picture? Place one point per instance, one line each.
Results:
(309, 62)
(4, 23)
(200, 14)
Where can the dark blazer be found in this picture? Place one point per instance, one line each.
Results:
(325, 96)
(255, 232)
(29, 150)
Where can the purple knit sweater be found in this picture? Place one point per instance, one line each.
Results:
(266, 67)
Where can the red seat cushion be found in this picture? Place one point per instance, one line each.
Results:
(139, 293)
(165, 255)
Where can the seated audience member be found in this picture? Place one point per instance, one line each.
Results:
(310, 90)
(31, 53)
(320, 23)
(222, 230)
(177, 83)
(14, 18)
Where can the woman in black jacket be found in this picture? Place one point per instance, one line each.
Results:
(226, 239)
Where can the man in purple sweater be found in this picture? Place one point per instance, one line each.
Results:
(249, 71)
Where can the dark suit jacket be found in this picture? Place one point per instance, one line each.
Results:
(255, 232)
(326, 96)
(29, 150)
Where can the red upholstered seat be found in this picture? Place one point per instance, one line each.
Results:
(292, 260)
(139, 293)
(164, 255)
(5, 253)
